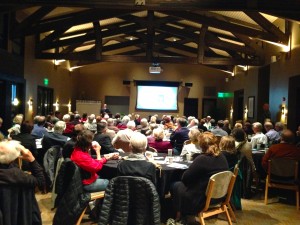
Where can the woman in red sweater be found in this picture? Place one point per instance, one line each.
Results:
(89, 166)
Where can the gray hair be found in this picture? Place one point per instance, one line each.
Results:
(131, 124)
(59, 127)
(258, 126)
(66, 117)
(144, 122)
(9, 151)
(138, 142)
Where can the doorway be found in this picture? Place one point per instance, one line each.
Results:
(209, 107)
(293, 120)
(44, 100)
(190, 107)
(238, 105)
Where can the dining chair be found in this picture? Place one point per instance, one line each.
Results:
(220, 186)
(151, 149)
(283, 174)
(94, 196)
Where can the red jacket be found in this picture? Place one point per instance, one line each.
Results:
(281, 150)
(87, 163)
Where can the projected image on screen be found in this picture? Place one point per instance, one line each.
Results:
(156, 98)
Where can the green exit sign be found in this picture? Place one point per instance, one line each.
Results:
(225, 95)
(46, 81)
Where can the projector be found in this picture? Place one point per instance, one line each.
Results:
(155, 69)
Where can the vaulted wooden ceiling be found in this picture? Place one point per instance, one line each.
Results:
(216, 33)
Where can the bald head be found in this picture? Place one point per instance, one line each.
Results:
(287, 136)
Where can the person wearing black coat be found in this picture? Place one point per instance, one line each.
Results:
(103, 139)
(18, 204)
(188, 195)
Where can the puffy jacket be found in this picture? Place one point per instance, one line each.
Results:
(130, 200)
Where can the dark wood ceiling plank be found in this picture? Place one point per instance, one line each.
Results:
(248, 42)
(150, 34)
(201, 44)
(258, 5)
(268, 26)
(98, 40)
(121, 45)
(74, 19)
(233, 28)
(22, 28)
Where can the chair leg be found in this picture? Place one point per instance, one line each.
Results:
(231, 213)
(201, 219)
(266, 190)
(227, 215)
(81, 216)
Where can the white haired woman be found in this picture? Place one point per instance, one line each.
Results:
(136, 164)
(17, 187)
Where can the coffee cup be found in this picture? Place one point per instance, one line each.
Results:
(188, 157)
(258, 146)
(170, 152)
(170, 160)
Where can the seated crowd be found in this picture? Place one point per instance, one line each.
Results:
(90, 141)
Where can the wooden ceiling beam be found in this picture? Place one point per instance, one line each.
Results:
(98, 40)
(201, 44)
(268, 26)
(233, 28)
(74, 19)
(224, 5)
(22, 28)
(150, 34)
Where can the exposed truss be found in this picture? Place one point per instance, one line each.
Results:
(168, 31)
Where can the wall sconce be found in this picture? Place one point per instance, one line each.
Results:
(245, 113)
(231, 112)
(282, 110)
(30, 103)
(69, 106)
(15, 102)
(56, 105)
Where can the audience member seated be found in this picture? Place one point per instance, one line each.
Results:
(188, 195)
(69, 125)
(111, 125)
(15, 129)
(123, 124)
(218, 130)
(152, 120)
(125, 135)
(137, 164)
(27, 140)
(193, 123)
(38, 128)
(227, 147)
(90, 167)
(1, 134)
(272, 135)
(207, 123)
(285, 149)
(248, 128)
(259, 137)
(168, 124)
(226, 126)
(279, 127)
(109, 132)
(83, 118)
(91, 124)
(137, 119)
(201, 125)
(193, 148)
(70, 144)
(243, 147)
(103, 139)
(238, 125)
(158, 141)
(179, 136)
(18, 203)
(143, 127)
(52, 139)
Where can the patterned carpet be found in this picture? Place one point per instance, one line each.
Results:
(254, 212)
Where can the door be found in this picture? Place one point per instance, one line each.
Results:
(238, 105)
(209, 108)
(293, 119)
(190, 107)
(44, 100)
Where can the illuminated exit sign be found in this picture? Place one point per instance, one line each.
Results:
(225, 95)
